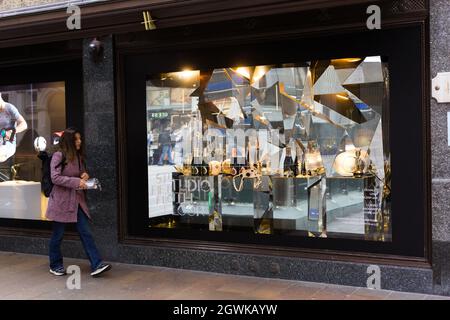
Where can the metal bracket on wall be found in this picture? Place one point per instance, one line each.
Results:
(149, 23)
(441, 87)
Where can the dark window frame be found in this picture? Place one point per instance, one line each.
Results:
(402, 45)
(64, 69)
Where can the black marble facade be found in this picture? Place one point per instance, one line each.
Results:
(440, 150)
(100, 127)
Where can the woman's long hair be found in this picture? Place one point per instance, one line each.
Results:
(67, 145)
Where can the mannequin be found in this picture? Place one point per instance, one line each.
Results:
(11, 123)
(20, 123)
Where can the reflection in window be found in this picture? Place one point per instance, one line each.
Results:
(295, 149)
(26, 113)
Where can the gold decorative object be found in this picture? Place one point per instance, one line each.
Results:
(227, 168)
(345, 163)
(247, 173)
(179, 169)
(215, 168)
(359, 165)
(187, 170)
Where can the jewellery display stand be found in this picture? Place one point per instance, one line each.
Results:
(263, 206)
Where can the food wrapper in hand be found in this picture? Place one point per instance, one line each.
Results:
(93, 183)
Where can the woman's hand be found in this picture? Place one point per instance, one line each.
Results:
(82, 184)
(85, 176)
(8, 135)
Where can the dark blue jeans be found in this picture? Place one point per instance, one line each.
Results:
(166, 149)
(56, 258)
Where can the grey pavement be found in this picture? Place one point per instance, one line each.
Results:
(26, 277)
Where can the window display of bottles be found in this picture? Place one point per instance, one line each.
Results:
(293, 148)
(289, 167)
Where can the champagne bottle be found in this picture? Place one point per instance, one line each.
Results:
(303, 166)
(195, 169)
(359, 165)
(295, 168)
(258, 163)
(288, 166)
(235, 162)
(204, 166)
(247, 160)
(300, 163)
(187, 165)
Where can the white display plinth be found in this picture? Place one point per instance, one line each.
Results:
(20, 200)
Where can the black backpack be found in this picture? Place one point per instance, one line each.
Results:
(46, 181)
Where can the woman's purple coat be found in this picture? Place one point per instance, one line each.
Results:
(65, 198)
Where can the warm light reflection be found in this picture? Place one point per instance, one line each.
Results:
(348, 60)
(260, 71)
(44, 205)
(243, 71)
(342, 97)
(187, 74)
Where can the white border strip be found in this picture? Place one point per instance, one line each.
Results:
(45, 7)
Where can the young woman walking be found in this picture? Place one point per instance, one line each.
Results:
(67, 202)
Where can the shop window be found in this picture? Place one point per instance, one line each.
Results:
(30, 117)
(297, 149)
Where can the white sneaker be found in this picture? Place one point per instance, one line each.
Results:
(58, 272)
(100, 269)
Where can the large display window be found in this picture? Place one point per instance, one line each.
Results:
(30, 115)
(295, 148)
(299, 144)
(39, 101)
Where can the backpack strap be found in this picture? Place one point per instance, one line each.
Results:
(62, 164)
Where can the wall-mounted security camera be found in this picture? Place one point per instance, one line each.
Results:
(96, 50)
